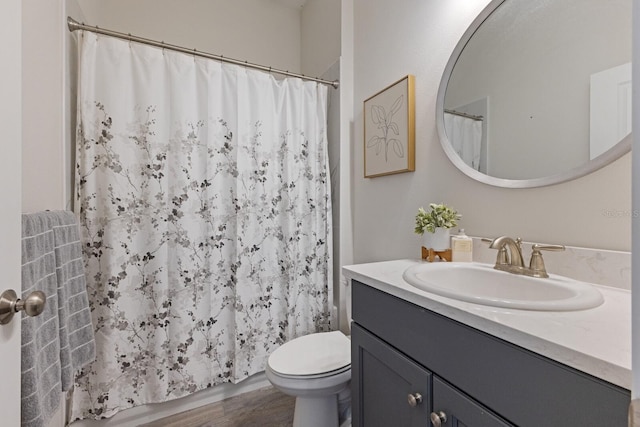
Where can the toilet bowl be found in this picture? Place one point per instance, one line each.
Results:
(316, 370)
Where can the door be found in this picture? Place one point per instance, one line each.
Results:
(10, 178)
(609, 109)
(388, 388)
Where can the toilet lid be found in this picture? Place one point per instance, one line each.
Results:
(312, 354)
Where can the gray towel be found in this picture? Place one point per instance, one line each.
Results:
(56, 344)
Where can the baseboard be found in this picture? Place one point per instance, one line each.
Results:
(147, 413)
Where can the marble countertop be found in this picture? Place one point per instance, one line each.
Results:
(596, 341)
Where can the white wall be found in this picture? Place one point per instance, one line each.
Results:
(43, 151)
(346, 154)
(393, 39)
(320, 26)
(320, 54)
(258, 31)
(70, 58)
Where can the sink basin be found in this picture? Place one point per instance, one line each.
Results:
(482, 284)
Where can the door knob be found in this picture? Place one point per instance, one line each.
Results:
(414, 399)
(10, 304)
(437, 418)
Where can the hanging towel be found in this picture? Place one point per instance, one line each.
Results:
(40, 334)
(60, 341)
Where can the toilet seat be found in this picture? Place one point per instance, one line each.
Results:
(312, 356)
(313, 376)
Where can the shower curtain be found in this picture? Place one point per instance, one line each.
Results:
(465, 135)
(204, 197)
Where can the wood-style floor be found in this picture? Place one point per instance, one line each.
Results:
(266, 407)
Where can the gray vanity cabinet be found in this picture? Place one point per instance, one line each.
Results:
(473, 378)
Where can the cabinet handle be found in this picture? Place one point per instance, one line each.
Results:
(414, 399)
(437, 418)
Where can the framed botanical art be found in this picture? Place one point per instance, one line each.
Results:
(389, 130)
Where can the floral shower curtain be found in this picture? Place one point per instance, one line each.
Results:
(204, 196)
(465, 135)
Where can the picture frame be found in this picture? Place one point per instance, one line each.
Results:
(389, 130)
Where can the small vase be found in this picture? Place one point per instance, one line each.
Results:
(438, 241)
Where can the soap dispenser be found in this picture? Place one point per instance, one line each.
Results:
(461, 247)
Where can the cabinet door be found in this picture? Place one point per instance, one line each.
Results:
(385, 383)
(460, 410)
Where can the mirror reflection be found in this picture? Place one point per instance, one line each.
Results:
(542, 87)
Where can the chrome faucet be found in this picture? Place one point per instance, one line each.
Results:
(511, 260)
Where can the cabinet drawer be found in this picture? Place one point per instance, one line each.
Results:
(523, 387)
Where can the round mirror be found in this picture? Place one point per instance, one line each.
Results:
(538, 92)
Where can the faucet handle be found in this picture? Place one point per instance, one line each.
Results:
(536, 265)
(537, 247)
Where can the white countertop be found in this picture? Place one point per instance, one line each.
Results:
(596, 341)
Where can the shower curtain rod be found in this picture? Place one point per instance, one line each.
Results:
(75, 25)
(467, 115)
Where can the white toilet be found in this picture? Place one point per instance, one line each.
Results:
(316, 369)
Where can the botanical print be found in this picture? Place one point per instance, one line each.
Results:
(385, 123)
(206, 225)
(389, 130)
